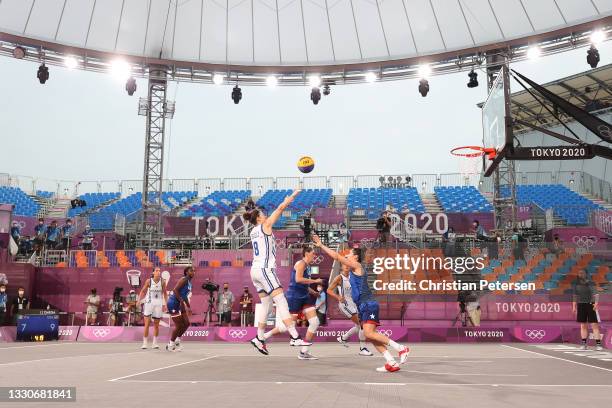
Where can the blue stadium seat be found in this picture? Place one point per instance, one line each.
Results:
(375, 200)
(24, 204)
(462, 199)
(218, 203)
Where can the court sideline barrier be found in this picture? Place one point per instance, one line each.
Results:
(527, 333)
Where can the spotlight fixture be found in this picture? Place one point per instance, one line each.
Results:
(19, 52)
(271, 81)
(326, 90)
(315, 81)
(120, 69)
(534, 52)
(593, 56)
(315, 95)
(423, 87)
(473, 79)
(43, 73)
(371, 77)
(597, 37)
(424, 71)
(236, 94)
(70, 62)
(217, 79)
(130, 86)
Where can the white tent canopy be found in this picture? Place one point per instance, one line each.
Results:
(290, 32)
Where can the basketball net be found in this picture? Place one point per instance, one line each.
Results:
(469, 166)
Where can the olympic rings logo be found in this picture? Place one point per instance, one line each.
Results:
(535, 334)
(20, 224)
(100, 333)
(386, 332)
(237, 334)
(584, 241)
(317, 260)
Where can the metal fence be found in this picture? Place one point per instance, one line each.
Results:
(575, 180)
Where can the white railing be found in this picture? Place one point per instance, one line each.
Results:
(602, 220)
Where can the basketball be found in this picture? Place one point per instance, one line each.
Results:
(306, 164)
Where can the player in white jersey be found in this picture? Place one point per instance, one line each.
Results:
(348, 307)
(263, 273)
(154, 297)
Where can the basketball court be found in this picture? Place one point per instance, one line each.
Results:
(219, 374)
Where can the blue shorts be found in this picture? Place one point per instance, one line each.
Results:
(298, 303)
(368, 312)
(174, 306)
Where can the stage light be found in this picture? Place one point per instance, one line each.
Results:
(597, 37)
(19, 52)
(217, 79)
(42, 74)
(314, 81)
(326, 90)
(592, 56)
(70, 62)
(121, 69)
(534, 52)
(315, 95)
(424, 71)
(236, 94)
(130, 86)
(271, 81)
(423, 87)
(371, 77)
(473, 83)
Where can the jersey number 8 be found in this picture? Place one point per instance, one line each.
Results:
(255, 248)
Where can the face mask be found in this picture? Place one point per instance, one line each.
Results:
(319, 288)
(225, 289)
(21, 293)
(2, 290)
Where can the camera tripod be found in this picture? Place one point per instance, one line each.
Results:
(211, 307)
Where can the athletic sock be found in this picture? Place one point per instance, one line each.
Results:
(361, 338)
(265, 336)
(294, 334)
(395, 346)
(598, 342)
(349, 333)
(305, 349)
(388, 357)
(261, 333)
(584, 341)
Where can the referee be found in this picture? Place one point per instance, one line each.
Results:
(585, 307)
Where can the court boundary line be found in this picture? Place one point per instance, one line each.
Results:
(163, 368)
(65, 357)
(559, 358)
(363, 383)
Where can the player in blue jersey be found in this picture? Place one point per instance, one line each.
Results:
(368, 307)
(301, 299)
(179, 308)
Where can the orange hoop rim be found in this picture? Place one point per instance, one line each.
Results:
(479, 151)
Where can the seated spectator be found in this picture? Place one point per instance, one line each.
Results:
(88, 238)
(3, 303)
(53, 235)
(556, 246)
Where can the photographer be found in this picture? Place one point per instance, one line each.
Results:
(307, 226)
(115, 306)
(53, 234)
(88, 238)
(383, 226)
(39, 235)
(67, 231)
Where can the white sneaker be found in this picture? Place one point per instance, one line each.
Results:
(584, 347)
(306, 356)
(390, 367)
(154, 345)
(365, 352)
(599, 347)
(403, 354)
(177, 345)
(299, 342)
(144, 345)
(342, 341)
(170, 346)
(260, 345)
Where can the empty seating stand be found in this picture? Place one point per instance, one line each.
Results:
(218, 203)
(568, 205)
(462, 199)
(92, 201)
(24, 204)
(306, 200)
(375, 200)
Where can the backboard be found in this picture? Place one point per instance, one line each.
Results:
(496, 128)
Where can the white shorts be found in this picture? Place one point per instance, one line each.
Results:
(348, 308)
(265, 279)
(153, 310)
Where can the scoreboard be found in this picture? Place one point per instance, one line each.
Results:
(38, 327)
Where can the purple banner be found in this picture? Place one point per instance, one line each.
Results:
(200, 226)
(330, 215)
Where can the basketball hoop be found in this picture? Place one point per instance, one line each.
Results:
(474, 151)
(469, 165)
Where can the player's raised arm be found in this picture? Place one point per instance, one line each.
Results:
(271, 220)
(300, 267)
(356, 266)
